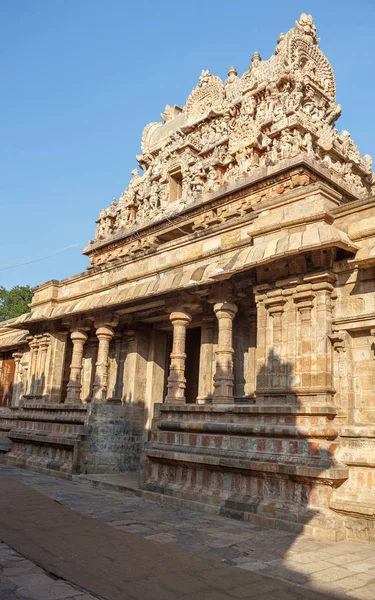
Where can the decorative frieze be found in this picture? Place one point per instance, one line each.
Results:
(279, 109)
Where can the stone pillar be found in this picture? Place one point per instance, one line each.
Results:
(43, 349)
(54, 369)
(17, 388)
(205, 391)
(176, 380)
(104, 334)
(324, 303)
(251, 373)
(73, 396)
(117, 366)
(34, 348)
(224, 376)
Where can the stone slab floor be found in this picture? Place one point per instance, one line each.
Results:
(131, 547)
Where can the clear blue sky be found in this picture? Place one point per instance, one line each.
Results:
(81, 78)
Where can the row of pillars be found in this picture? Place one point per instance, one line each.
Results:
(224, 376)
(79, 336)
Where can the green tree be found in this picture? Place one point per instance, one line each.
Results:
(14, 302)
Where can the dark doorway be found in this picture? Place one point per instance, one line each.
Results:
(193, 347)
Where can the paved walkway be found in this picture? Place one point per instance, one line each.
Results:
(135, 548)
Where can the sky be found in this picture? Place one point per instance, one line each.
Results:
(80, 79)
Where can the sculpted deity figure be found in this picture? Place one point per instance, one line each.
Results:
(248, 106)
(278, 110)
(107, 220)
(124, 217)
(307, 143)
(286, 143)
(212, 182)
(309, 68)
(263, 109)
(196, 177)
(100, 228)
(296, 142)
(155, 196)
(112, 211)
(274, 151)
(295, 98)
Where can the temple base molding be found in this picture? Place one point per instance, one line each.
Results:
(270, 465)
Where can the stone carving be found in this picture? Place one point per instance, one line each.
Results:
(280, 108)
(209, 94)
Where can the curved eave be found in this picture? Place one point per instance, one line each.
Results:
(315, 236)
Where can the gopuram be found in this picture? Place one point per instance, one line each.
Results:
(221, 341)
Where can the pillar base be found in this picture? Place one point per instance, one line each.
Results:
(204, 400)
(223, 400)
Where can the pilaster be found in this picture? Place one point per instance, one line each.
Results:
(205, 383)
(18, 385)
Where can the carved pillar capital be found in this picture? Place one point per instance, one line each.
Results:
(78, 335)
(225, 310)
(17, 357)
(180, 318)
(304, 301)
(105, 332)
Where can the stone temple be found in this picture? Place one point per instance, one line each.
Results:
(221, 342)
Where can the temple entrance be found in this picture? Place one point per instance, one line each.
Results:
(7, 370)
(193, 346)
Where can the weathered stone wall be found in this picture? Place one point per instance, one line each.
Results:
(114, 438)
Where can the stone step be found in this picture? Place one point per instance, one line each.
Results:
(46, 437)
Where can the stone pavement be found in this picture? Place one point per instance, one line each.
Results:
(156, 551)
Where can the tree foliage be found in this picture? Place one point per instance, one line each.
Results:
(14, 302)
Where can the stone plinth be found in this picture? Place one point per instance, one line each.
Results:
(8, 420)
(114, 438)
(355, 500)
(271, 465)
(46, 437)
